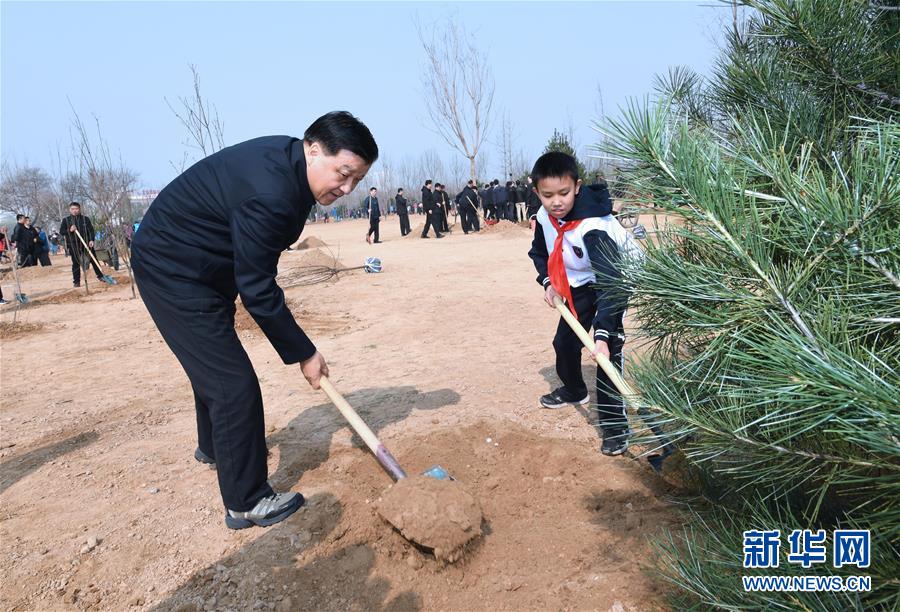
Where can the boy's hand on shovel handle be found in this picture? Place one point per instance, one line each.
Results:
(601, 348)
(314, 369)
(550, 295)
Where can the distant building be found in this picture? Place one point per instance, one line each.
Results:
(141, 201)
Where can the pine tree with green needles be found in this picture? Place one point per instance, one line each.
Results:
(560, 142)
(771, 310)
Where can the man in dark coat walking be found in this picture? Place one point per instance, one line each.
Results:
(374, 212)
(432, 218)
(216, 232)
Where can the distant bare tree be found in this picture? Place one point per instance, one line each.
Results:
(459, 88)
(483, 167)
(68, 185)
(431, 167)
(106, 183)
(206, 132)
(383, 177)
(521, 163)
(409, 177)
(457, 176)
(506, 144)
(27, 190)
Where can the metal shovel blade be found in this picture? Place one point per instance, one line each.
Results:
(21, 298)
(109, 280)
(438, 473)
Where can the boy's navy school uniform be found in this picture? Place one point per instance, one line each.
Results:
(578, 251)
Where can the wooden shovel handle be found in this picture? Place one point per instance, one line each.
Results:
(385, 458)
(87, 248)
(627, 393)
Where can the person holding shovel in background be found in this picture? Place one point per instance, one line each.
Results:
(216, 232)
(577, 243)
(77, 222)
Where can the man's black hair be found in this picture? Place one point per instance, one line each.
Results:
(470, 182)
(373, 189)
(554, 164)
(339, 130)
(508, 184)
(19, 217)
(75, 204)
(399, 190)
(428, 182)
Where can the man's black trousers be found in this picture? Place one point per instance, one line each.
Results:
(373, 227)
(474, 224)
(79, 257)
(432, 219)
(199, 328)
(568, 347)
(404, 224)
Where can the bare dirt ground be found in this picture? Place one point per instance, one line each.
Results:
(445, 353)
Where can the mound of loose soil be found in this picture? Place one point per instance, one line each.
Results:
(78, 294)
(416, 232)
(505, 229)
(10, 330)
(437, 514)
(564, 529)
(310, 243)
(312, 257)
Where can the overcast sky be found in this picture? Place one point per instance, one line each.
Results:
(272, 68)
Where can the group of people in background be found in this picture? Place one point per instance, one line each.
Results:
(33, 246)
(516, 202)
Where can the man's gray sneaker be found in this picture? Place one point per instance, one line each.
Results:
(267, 511)
(202, 457)
(615, 441)
(560, 397)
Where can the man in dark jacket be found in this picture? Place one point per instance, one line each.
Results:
(431, 215)
(402, 212)
(486, 201)
(21, 239)
(465, 204)
(216, 232)
(374, 212)
(511, 199)
(442, 199)
(532, 202)
(80, 257)
(521, 196)
(499, 196)
(31, 238)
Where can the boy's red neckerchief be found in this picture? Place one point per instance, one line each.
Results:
(556, 268)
